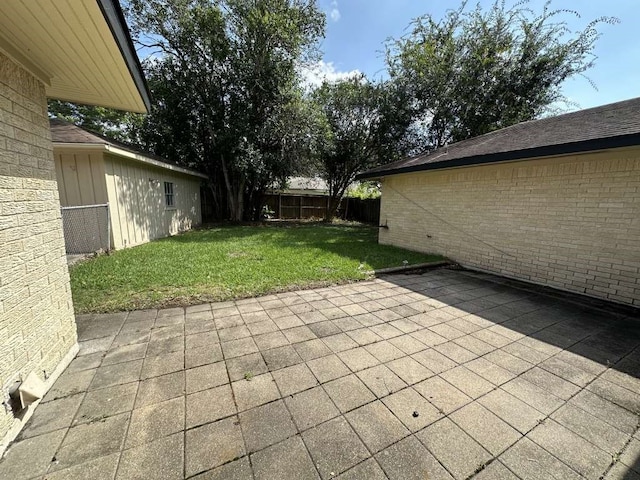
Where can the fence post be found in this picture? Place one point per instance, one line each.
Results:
(108, 229)
(280, 205)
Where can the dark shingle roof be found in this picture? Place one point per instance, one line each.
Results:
(65, 132)
(607, 126)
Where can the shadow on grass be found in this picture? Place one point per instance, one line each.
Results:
(356, 242)
(227, 262)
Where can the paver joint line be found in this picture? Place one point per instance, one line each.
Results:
(502, 370)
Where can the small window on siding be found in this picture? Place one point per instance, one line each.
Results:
(168, 194)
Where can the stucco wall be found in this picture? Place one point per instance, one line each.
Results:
(37, 327)
(137, 202)
(571, 222)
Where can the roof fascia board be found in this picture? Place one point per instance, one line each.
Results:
(530, 153)
(120, 152)
(101, 147)
(117, 24)
(150, 161)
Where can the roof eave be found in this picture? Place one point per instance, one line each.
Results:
(123, 153)
(101, 146)
(529, 153)
(117, 24)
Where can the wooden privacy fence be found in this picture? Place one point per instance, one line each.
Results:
(362, 210)
(287, 206)
(297, 206)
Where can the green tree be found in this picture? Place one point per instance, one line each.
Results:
(365, 190)
(476, 71)
(224, 78)
(360, 127)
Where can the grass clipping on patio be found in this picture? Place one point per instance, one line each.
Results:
(232, 262)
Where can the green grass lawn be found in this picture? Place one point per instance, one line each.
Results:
(231, 262)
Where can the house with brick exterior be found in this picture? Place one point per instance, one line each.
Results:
(69, 50)
(119, 192)
(554, 201)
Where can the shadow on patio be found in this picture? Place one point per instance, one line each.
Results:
(581, 350)
(449, 374)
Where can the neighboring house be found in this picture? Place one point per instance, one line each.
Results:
(148, 197)
(304, 197)
(554, 201)
(75, 51)
(311, 186)
(308, 186)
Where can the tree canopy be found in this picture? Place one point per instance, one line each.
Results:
(475, 70)
(225, 82)
(361, 126)
(349, 117)
(228, 97)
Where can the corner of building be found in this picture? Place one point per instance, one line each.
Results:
(37, 324)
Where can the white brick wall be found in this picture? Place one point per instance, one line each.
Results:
(569, 222)
(37, 327)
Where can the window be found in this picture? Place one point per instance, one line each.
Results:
(168, 194)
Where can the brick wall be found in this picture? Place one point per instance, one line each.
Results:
(571, 222)
(37, 328)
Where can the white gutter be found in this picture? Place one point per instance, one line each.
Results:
(121, 152)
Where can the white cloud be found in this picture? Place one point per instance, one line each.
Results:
(334, 13)
(314, 75)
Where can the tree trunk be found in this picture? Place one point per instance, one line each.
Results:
(235, 195)
(217, 212)
(334, 203)
(335, 196)
(253, 205)
(237, 214)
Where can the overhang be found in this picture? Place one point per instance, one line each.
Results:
(123, 153)
(614, 125)
(80, 50)
(510, 156)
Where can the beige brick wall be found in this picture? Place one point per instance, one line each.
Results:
(570, 222)
(37, 327)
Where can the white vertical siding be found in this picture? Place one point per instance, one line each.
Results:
(137, 202)
(81, 179)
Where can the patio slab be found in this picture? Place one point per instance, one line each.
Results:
(447, 374)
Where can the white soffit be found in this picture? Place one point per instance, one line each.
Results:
(80, 49)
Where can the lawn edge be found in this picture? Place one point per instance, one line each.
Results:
(411, 268)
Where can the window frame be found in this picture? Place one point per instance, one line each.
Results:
(169, 196)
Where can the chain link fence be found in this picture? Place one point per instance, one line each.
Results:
(86, 228)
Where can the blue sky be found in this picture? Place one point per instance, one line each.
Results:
(357, 29)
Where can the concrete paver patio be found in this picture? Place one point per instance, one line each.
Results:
(443, 375)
